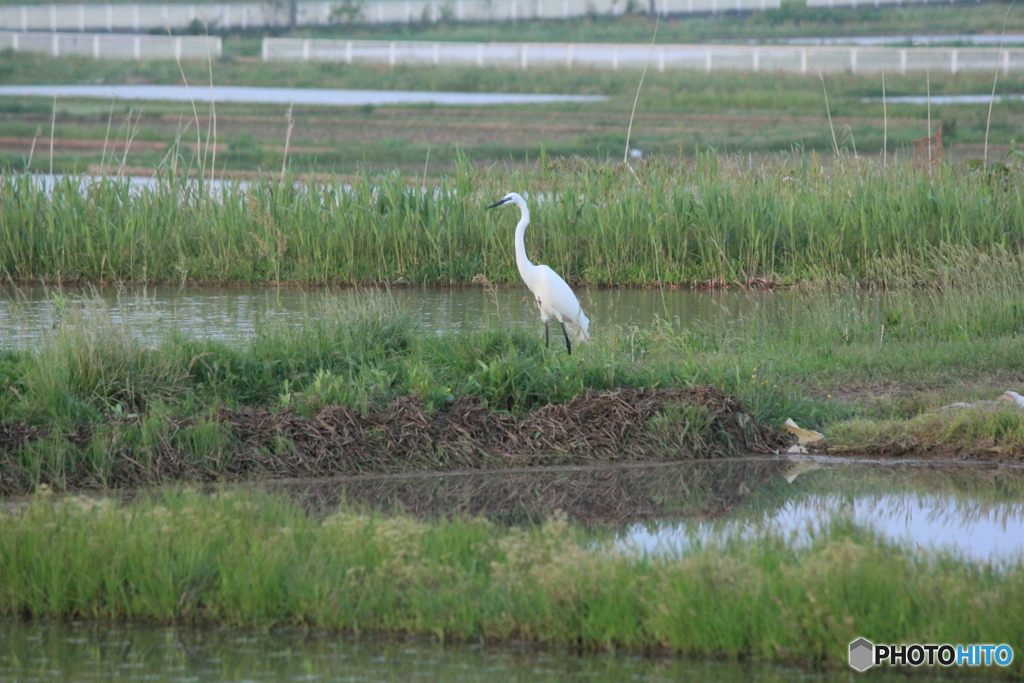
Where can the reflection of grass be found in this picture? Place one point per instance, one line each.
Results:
(248, 559)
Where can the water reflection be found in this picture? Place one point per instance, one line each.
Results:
(234, 313)
(78, 652)
(973, 510)
(948, 509)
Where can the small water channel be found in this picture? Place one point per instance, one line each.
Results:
(235, 313)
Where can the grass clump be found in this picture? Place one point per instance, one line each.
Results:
(250, 559)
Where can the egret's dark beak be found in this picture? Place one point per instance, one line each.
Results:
(498, 203)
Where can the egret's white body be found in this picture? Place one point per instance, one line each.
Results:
(554, 297)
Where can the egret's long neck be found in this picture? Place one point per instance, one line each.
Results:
(522, 261)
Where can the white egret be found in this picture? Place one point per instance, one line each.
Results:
(554, 297)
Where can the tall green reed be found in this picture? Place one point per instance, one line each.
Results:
(713, 222)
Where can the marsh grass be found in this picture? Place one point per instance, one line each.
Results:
(105, 400)
(250, 559)
(790, 220)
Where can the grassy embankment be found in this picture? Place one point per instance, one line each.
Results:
(678, 113)
(254, 560)
(94, 405)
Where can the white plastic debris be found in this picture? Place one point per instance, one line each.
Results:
(803, 436)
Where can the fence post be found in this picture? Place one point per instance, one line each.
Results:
(137, 47)
(15, 43)
(437, 54)
(757, 60)
(305, 50)
(853, 60)
(903, 62)
(1006, 62)
(522, 53)
(803, 60)
(707, 59)
(348, 51)
(479, 55)
(177, 47)
(568, 56)
(952, 61)
(615, 57)
(96, 46)
(56, 45)
(265, 52)
(391, 54)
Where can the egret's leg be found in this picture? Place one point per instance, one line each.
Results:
(547, 335)
(568, 344)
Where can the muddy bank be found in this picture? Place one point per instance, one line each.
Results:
(616, 426)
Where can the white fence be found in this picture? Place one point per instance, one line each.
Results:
(790, 59)
(106, 46)
(220, 16)
(880, 3)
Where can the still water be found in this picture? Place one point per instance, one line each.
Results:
(76, 652)
(235, 313)
(337, 98)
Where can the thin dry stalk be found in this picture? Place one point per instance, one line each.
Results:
(835, 144)
(928, 97)
(992, 97)
(629, 130)
(287, 138)
(212, 127)
(195, 112)
(106, 138)
(885, 127)
(32, 149)
(129, 136)
(53, 124)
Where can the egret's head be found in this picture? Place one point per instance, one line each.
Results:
(510, 198)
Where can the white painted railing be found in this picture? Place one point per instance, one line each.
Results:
(880, 3)
(107, 46)
(242, 15)
(790, 59)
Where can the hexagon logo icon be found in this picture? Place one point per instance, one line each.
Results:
(862, 654)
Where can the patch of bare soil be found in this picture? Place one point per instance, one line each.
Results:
(404, 436)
